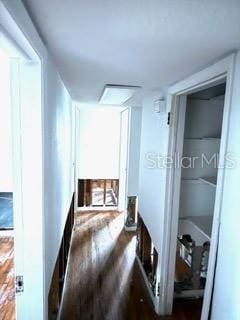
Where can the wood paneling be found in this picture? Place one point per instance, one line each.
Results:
(147, 253)
(53, 299)
(81, 192)
(88, 193)
(58, 278)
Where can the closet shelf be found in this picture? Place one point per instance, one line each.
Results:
(212, 181)
(204, 223)
(197, 180)
(203, 139)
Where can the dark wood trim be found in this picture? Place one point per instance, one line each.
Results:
(104, 191)
(146, 252)
(81, 192)
(57, 283)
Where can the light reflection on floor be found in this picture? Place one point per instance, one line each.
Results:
(101, 264)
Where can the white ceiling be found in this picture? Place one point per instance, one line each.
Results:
(148, 43)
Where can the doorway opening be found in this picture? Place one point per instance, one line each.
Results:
(201, 135)
(98, 193)
(101, 159)
(199, 172)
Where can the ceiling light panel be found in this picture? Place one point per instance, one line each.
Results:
(117, 94)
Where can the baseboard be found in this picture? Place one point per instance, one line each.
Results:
(64, 283)
(153, 298)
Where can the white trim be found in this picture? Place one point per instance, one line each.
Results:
(219, 192)
(97, 208)
(76, 155)
(146, 281)
(28, 63)
(20, 40)
(122, 203)
(17, 182)
(177, 146)
(66, 272)
(209, 76)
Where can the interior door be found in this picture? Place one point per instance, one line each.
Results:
(123, 160)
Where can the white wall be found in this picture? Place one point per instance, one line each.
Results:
(6, 184)
(99, 138)
(134, 150)
(152, 180)
(227, 278)
(57, 175)
(58, 161)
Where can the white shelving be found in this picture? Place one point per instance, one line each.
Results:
(203, 139)
(199, 171)
(184, 180)
(203, 223)
(200, 158)
(196, 198)
(212, 181)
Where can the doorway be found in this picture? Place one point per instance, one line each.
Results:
(219, 73)
(201, 140)
(101, 157)
(199, 143)
(98, 193)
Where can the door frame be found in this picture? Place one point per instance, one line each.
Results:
(27, 105)
(76, 158)
(213, 74)
(122, 201)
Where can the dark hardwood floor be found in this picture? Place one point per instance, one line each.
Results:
(103, 280)
(7, 288)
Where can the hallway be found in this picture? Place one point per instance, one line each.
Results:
(130, 110)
